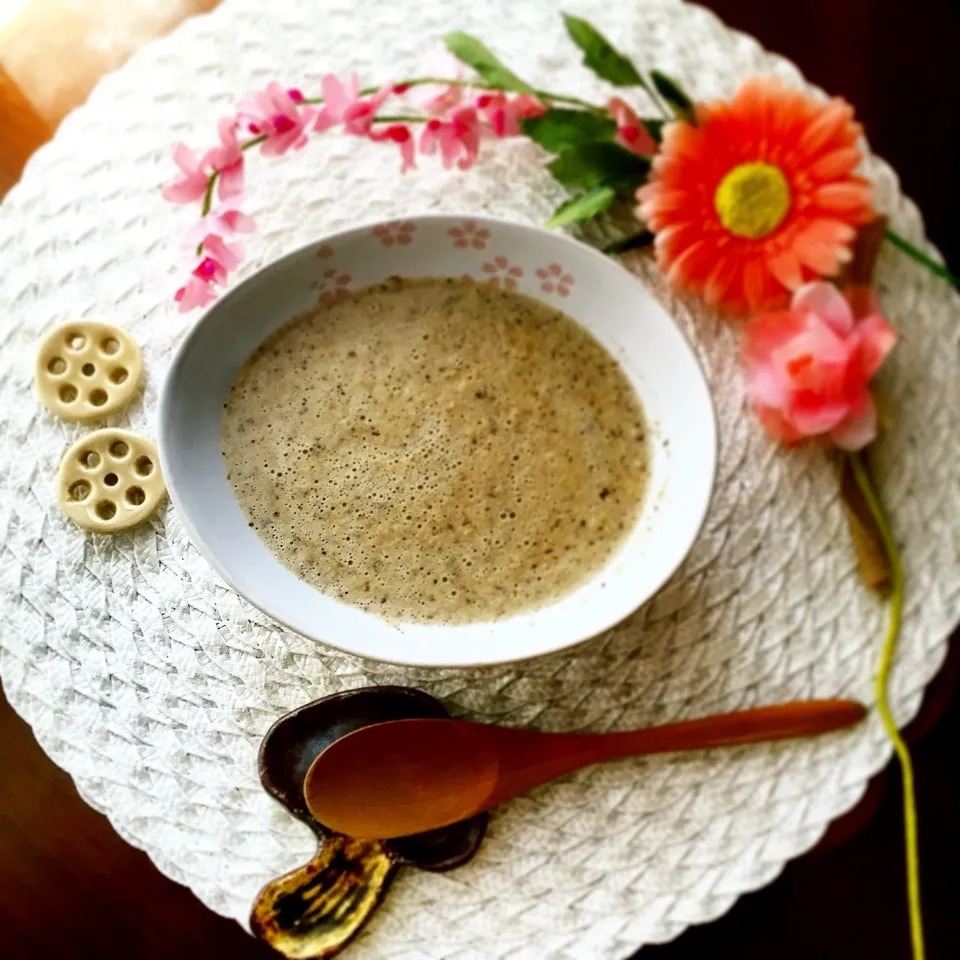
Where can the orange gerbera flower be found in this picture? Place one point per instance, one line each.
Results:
(758, 198)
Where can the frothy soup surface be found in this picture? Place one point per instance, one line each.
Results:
(437, 450)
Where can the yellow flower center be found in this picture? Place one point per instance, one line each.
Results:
(753, 199)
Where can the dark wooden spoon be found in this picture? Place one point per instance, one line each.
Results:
(407, 776)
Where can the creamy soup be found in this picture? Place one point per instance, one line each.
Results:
(437, 450)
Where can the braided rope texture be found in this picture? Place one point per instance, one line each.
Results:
(152, 683)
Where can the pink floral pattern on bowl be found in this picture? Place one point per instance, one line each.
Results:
(325, 252)
(395, 233)
(332, 286)
(468, 234)
(501, 274)
(553, 278)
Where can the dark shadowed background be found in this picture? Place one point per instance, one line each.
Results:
(71, 888)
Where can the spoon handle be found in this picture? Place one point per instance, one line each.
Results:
(782, 721)
(536, 758)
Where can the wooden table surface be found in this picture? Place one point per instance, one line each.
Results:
(71, 888)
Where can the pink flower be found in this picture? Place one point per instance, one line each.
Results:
(342, 103)
(196, 292)
(438, 98)
(338, 97)
(273, 113)
(390, 233)
(631, 133)
(211, 268)
(227, 255)
(332, 286)
(504, 113)
(192, 184)
(457, 138)
(361, 115)
(502, 274)
(808, 369)
(227, 159)
(225, 221)
(553, 278)
(469, 235)
(200, 288)
(400, 134)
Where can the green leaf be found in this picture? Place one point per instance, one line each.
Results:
(671, 91)
(601, 56)
(585, 207)
(473, 53)
(654, 128)
(599, 164)
(559, 128)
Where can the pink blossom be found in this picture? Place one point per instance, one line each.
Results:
(502, 274)
(457, 138)
(200, 289)
(192, 184)
(400, 232)
(504, 113)
(438, 99)
(229, 256)
(342, 103)
(227, 159)
(273, 113)
(400, 134)
(210, 270)
(554, 277)
(808, 369)
(631, 132)
(196, 292)
(338, 97)
(224, 221)
(359, 117)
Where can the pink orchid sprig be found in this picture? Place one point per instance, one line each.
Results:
(211, 177)
(457, 119)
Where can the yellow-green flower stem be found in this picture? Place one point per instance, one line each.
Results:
(400, 118)
(208, 196)
(478, 85)
(911, 251)
(864, 482)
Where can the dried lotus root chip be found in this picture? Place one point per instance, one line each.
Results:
(87, 370)
(110, 480)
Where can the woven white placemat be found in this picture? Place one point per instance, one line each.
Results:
(151, 682)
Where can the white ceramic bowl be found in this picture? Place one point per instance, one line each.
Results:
(591, 288)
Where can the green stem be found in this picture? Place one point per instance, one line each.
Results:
(476, 85)
(657, 102)
(212, 182)
(864, 482)
(208, 196)
(399, 118)
(480, 85)
(911, 251)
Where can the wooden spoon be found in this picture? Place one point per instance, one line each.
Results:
(408, 776)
